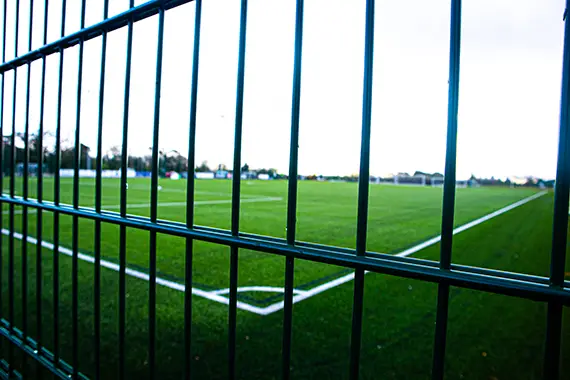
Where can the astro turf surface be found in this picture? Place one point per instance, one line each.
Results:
(489, 336)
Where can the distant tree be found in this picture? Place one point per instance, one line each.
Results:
(203, 167)
(67, 158)
(6, 152)
(177, 163)
(112, 159)
(50, 161)
(245, 168)
(271, 172)
(140, 164)
(222, 167)
(34, 146)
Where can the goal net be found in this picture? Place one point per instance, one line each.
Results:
(438, 182)
(415, 180)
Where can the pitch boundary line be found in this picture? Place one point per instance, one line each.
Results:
(299, 295)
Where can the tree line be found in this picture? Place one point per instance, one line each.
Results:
(46, 155)
(111, 159)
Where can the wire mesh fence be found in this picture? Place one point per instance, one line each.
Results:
(553, 290)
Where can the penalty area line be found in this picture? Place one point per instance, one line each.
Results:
(212, 296)
(350, 276)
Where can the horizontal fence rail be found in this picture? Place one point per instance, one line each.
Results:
(552, 290)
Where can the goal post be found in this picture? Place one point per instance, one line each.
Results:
(413, 180)
(438, 182)
(402, 180)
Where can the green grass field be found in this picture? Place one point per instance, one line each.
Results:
(490, 336)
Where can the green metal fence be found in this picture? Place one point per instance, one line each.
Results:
(553, 290)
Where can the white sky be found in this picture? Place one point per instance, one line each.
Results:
(509, 94)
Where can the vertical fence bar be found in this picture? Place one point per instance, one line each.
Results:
(24, 258)
(56, 196)
(553, 341)
(75, 223)
(13, 158)
(98, 196)
(292, 193)
(123, 203)
(363, 191)
(190, 194)
(448, 191)
(154, 201)
(11, 228)
(11, 233)
(2, 168)
(451, 147)
(236, 184)
(560, 220)
(25, 185)
(40, 197)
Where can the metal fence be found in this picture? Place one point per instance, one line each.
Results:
(553, 290)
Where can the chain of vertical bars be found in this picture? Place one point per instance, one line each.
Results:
(554, 290)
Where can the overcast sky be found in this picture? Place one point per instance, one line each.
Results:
(511, 58)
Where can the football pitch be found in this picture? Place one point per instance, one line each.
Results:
(489, 336)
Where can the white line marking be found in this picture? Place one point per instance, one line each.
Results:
(269, 289)
(163, 204)
(466, 226)
(140, 275)
(309, 293)
(300, 294)
(212, 202)
(180, 191)
(349, 277)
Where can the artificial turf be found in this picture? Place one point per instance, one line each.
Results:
(489, 335)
